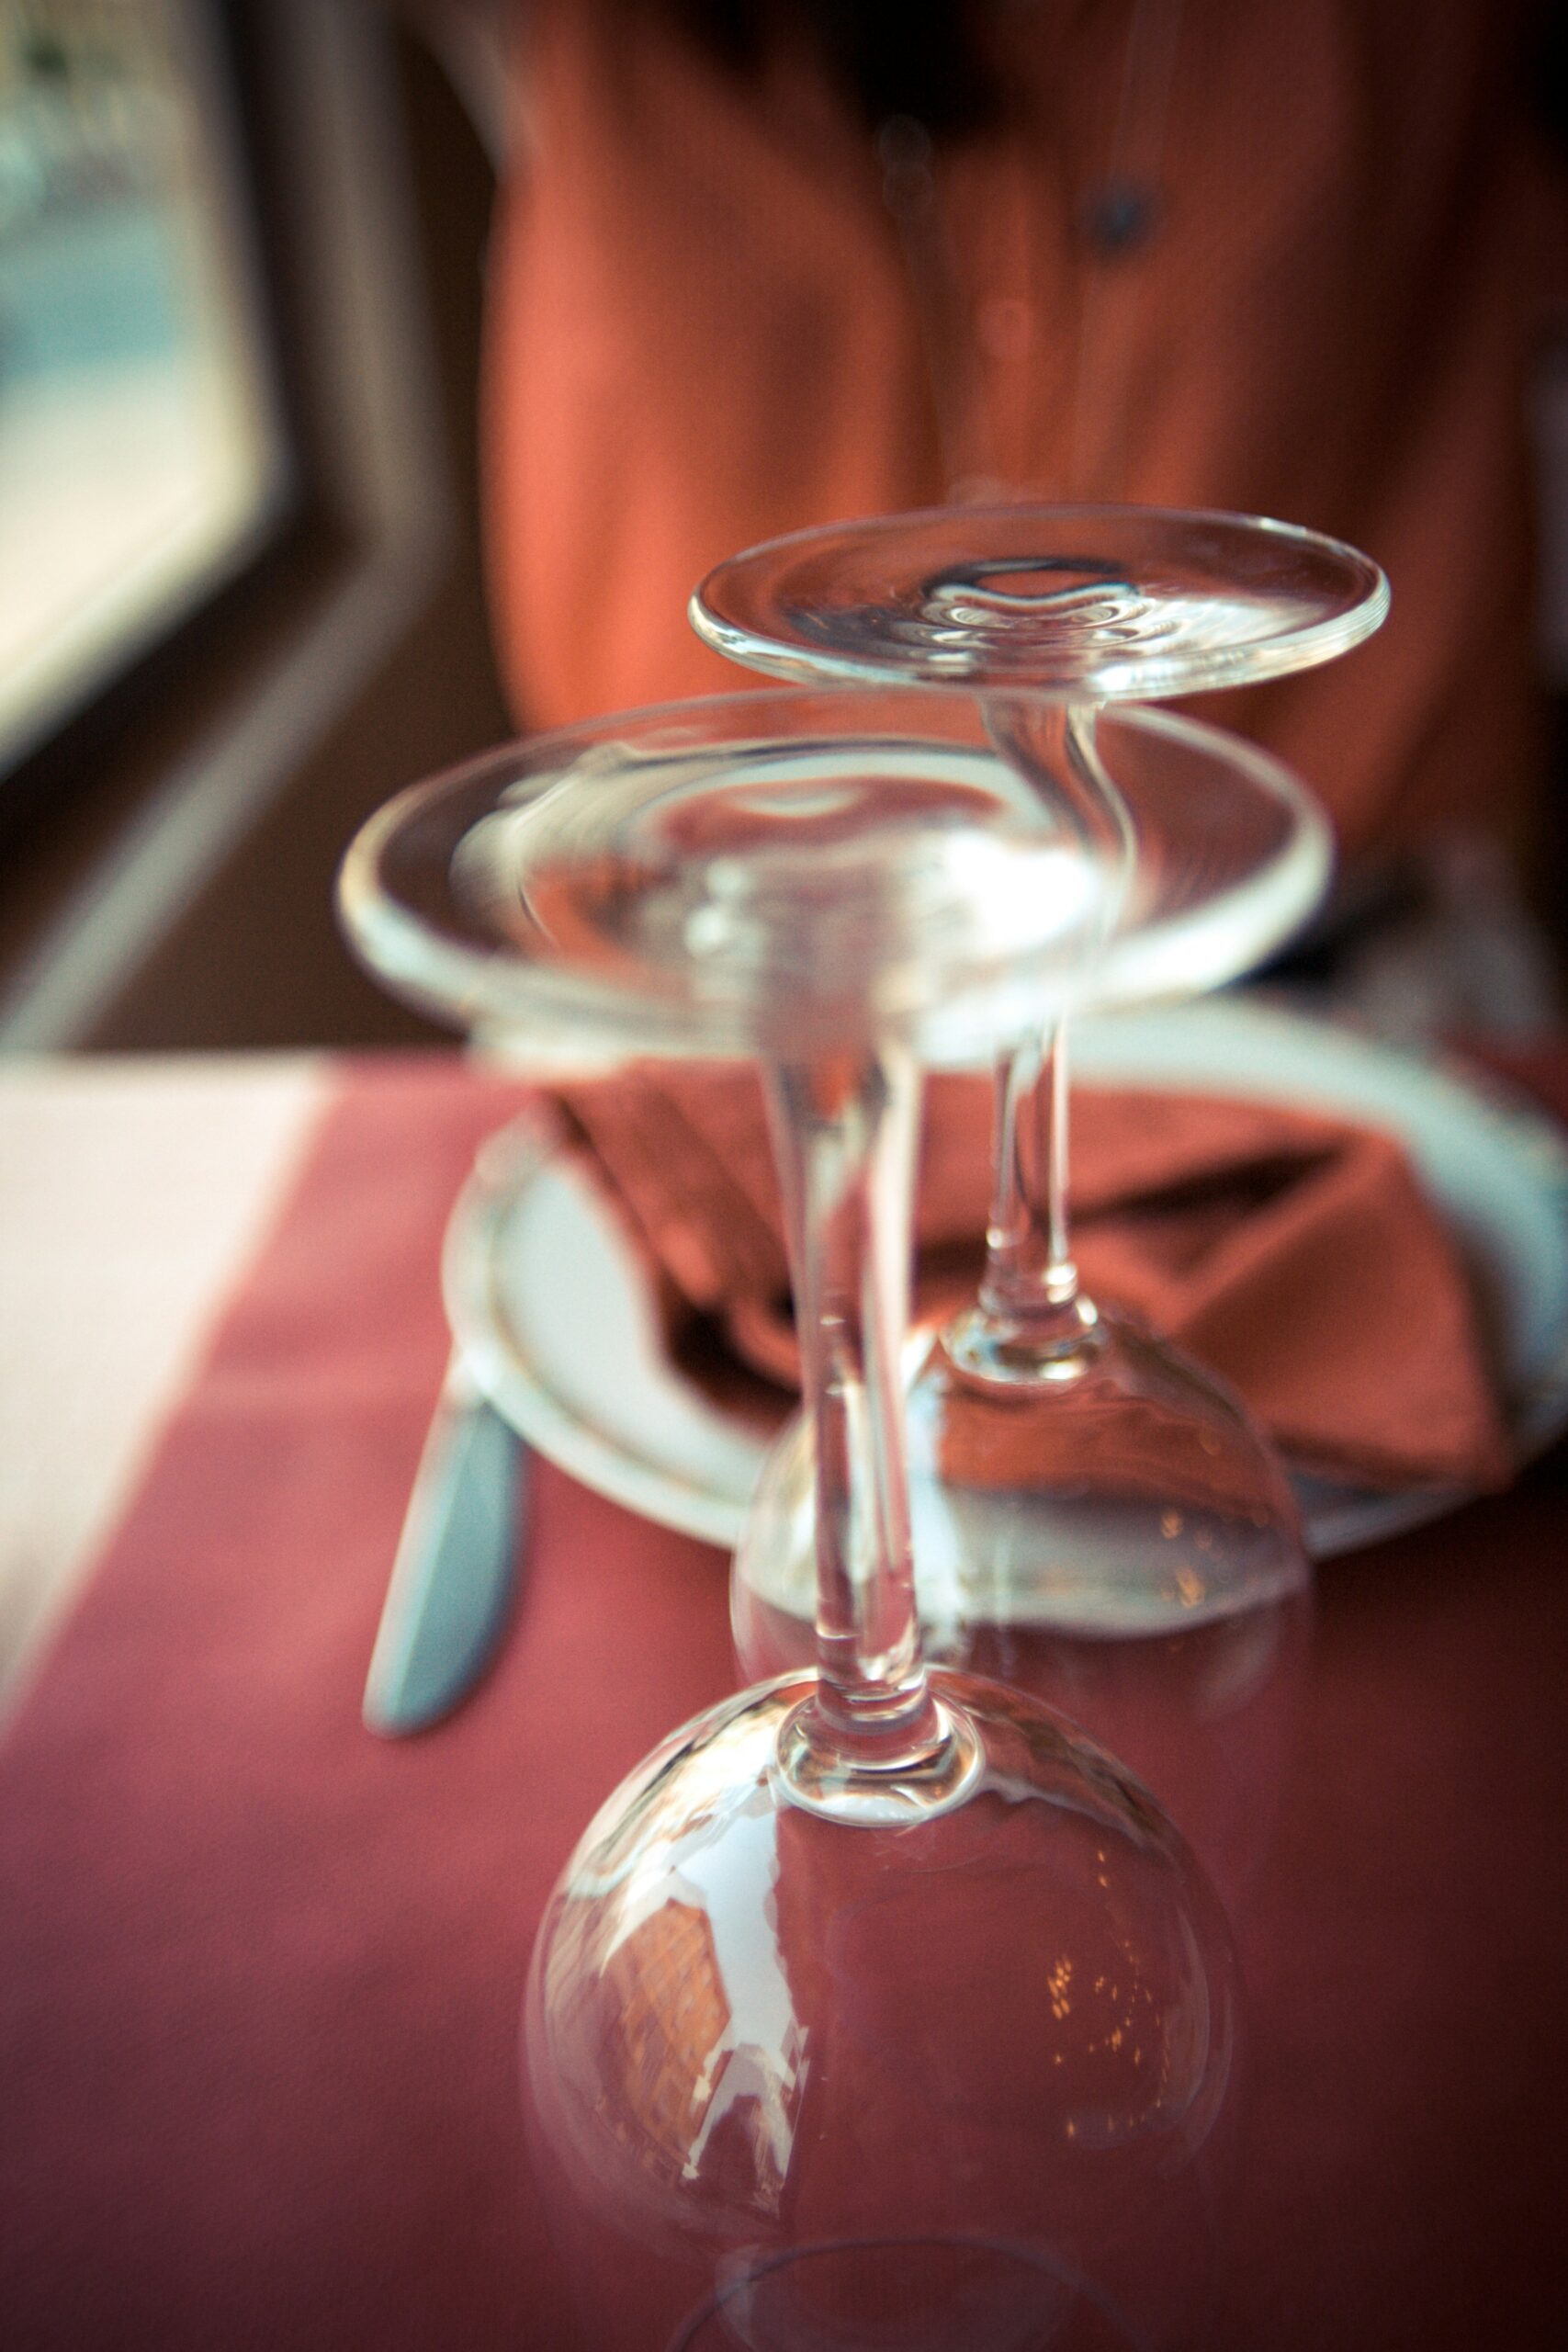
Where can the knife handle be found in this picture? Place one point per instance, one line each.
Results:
(456, 1567)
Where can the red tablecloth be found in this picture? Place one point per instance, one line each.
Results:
(260, 1972)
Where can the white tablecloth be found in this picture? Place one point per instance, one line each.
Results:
(133, 1192)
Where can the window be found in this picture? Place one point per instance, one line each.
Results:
(142, 460)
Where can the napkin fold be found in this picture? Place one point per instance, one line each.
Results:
(1294, 1254)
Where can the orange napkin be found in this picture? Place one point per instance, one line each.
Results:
(1294, 1254)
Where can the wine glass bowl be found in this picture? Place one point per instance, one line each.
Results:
(853, 2103)
(1136, 1563)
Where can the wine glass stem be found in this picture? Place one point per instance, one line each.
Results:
(844, 1131)
(1030, 1278)
(1031, 1316)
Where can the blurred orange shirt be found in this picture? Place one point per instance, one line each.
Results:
(705, 327)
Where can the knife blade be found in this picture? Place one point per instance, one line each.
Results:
(455, 1569)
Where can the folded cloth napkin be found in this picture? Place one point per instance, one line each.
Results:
(1294, 1254)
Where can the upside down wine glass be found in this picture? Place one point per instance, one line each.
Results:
(878, 2007)
(1096, 1515)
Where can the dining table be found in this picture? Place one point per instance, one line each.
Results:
(261, 1970)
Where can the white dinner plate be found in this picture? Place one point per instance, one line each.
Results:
(552, 1308)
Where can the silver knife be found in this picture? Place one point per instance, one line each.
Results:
(455, 1569)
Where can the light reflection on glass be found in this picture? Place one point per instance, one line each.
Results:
(690, 1985)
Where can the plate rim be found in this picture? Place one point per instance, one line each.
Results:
(1336, 1519)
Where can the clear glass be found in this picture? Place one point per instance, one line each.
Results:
(878, 2006)
(721, 877)
(798, 2083)
(1094, 1514)
(1101, 602)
